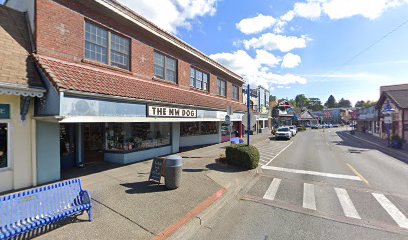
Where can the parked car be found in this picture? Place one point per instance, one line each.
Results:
(330, 125)
(293, 129)
(283, 132)
(316, 126)
(335, 125)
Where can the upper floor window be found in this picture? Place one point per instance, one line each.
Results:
(97, 46)
(222, 87)
(199, 79)
(165, 67)
(235, 92)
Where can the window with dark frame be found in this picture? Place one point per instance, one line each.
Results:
(165, 67)
(235, 92)
(222, 87)
(199, 79)
(97, 47)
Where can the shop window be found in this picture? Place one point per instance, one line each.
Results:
(235, 92)
(3, 145)
(199, 79)
(198, 128)
(222, 89)
(137, 136)
(165, 67)
(97, 48)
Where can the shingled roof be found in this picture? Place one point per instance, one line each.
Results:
(17, 68)
(400, 97)
(87, 79)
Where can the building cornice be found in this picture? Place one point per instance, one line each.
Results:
(152, 28)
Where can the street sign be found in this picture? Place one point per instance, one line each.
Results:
(245, 120)
(227, 119)
(387, 120)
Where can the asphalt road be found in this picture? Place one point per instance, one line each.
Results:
(319, 185)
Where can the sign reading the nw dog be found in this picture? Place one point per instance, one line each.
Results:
(159, 111)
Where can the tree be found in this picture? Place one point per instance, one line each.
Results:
(359, 104)
(301, 101)
(272, 98)
(293, 102)
(344, 103)
(331, 102)
(314, 104)
(363, 104)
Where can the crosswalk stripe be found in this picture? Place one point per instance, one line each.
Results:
(331, 175)
(309, 196)
(392, 210)
(268, 155)
(273, 188)
(346, 203)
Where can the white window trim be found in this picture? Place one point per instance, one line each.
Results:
(165, 56)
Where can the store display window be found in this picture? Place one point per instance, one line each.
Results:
(137, 136)
(198, 128)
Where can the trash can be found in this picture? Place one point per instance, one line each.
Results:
(174, 166)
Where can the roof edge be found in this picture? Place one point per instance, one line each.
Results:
(152, 28)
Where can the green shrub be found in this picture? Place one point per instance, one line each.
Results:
(242, 156)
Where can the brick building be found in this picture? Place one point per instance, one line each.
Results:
(119, 88)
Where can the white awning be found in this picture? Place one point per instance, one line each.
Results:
(90, 119)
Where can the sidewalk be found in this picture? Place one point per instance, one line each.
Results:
(381, 145)
(126, 206)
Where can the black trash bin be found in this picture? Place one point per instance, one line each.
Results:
(174, 167)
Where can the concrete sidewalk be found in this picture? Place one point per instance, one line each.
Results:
(127, 206)
(382, 145)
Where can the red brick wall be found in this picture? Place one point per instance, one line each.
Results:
(60, 34)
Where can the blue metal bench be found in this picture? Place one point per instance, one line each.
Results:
(28, 210)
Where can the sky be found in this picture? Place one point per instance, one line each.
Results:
(347, 48)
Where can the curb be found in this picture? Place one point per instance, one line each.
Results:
(389, 151)
(192, 227)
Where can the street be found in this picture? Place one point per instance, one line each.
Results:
(321, 184)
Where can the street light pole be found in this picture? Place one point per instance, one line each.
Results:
(249, 115)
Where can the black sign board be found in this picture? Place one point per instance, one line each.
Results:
(156, 170)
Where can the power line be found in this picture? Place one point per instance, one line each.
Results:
(361, 52)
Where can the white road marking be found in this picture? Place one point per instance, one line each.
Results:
(346, 203)
(331, 175)
(392, 210)
(273, 188)
(309, 196)
(279, 153)
(268, 155)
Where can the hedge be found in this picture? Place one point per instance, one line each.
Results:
(242, 156)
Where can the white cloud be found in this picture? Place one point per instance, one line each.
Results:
(309, 10)
(256, 24)
(270, 41)
(337, 9)
(253, 69)
(291, 60)
(172, 14)
(266, 58)
(287, 17)
(371, 9)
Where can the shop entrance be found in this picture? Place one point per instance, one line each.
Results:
(93, 142)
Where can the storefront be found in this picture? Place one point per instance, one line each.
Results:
(93, 131)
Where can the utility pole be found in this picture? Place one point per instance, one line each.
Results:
(249, 115)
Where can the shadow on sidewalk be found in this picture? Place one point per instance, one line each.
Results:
(143, 187)
(224, 168)
(357, 144)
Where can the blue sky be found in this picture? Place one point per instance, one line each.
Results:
(295, 46)
(326, 34)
